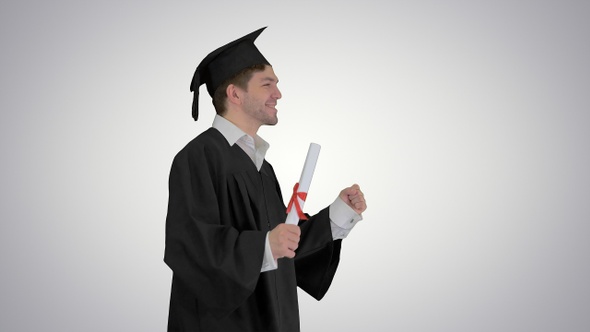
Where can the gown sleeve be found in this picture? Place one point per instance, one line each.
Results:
(216, 263)
(318, 255)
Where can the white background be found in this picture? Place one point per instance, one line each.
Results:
(465, 122)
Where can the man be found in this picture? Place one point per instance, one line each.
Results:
(236, 264)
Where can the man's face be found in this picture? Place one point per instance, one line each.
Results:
(260, 100)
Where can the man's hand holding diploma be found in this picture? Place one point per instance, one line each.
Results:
(284, 240)
(354, 197)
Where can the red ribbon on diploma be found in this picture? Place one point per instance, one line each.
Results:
(295, 201)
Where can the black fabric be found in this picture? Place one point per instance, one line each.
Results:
(220, 209)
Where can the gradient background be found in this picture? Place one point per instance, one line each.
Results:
(467, 124)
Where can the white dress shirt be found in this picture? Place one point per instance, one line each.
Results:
(342, 217)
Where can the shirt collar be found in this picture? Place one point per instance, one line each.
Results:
(232, 134)
(229, 130)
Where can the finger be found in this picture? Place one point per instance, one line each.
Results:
(293, 246)
(294, 229)
(293, 239)
(360, 207)
(356, 198)
(356, 193)
(352, 190)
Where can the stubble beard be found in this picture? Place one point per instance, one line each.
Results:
(259, 113)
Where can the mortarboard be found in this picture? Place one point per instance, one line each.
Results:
(225, 62)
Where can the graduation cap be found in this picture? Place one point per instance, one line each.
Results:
(224, 63)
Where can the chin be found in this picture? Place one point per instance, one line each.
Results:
(272, 120)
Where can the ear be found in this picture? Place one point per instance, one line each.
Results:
(234, 94)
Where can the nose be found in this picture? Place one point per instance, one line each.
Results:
(277, 93)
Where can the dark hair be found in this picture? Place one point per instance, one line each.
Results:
(240, 80)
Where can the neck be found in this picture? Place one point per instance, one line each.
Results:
(246, 126)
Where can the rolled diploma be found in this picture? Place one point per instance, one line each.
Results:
(305, 180)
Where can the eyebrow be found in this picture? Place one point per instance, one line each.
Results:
(269, 79)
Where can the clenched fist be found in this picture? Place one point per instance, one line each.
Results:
(354, 197)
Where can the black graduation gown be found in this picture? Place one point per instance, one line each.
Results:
(220, 209)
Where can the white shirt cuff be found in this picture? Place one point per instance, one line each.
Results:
(342, 219)
(268, 262)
